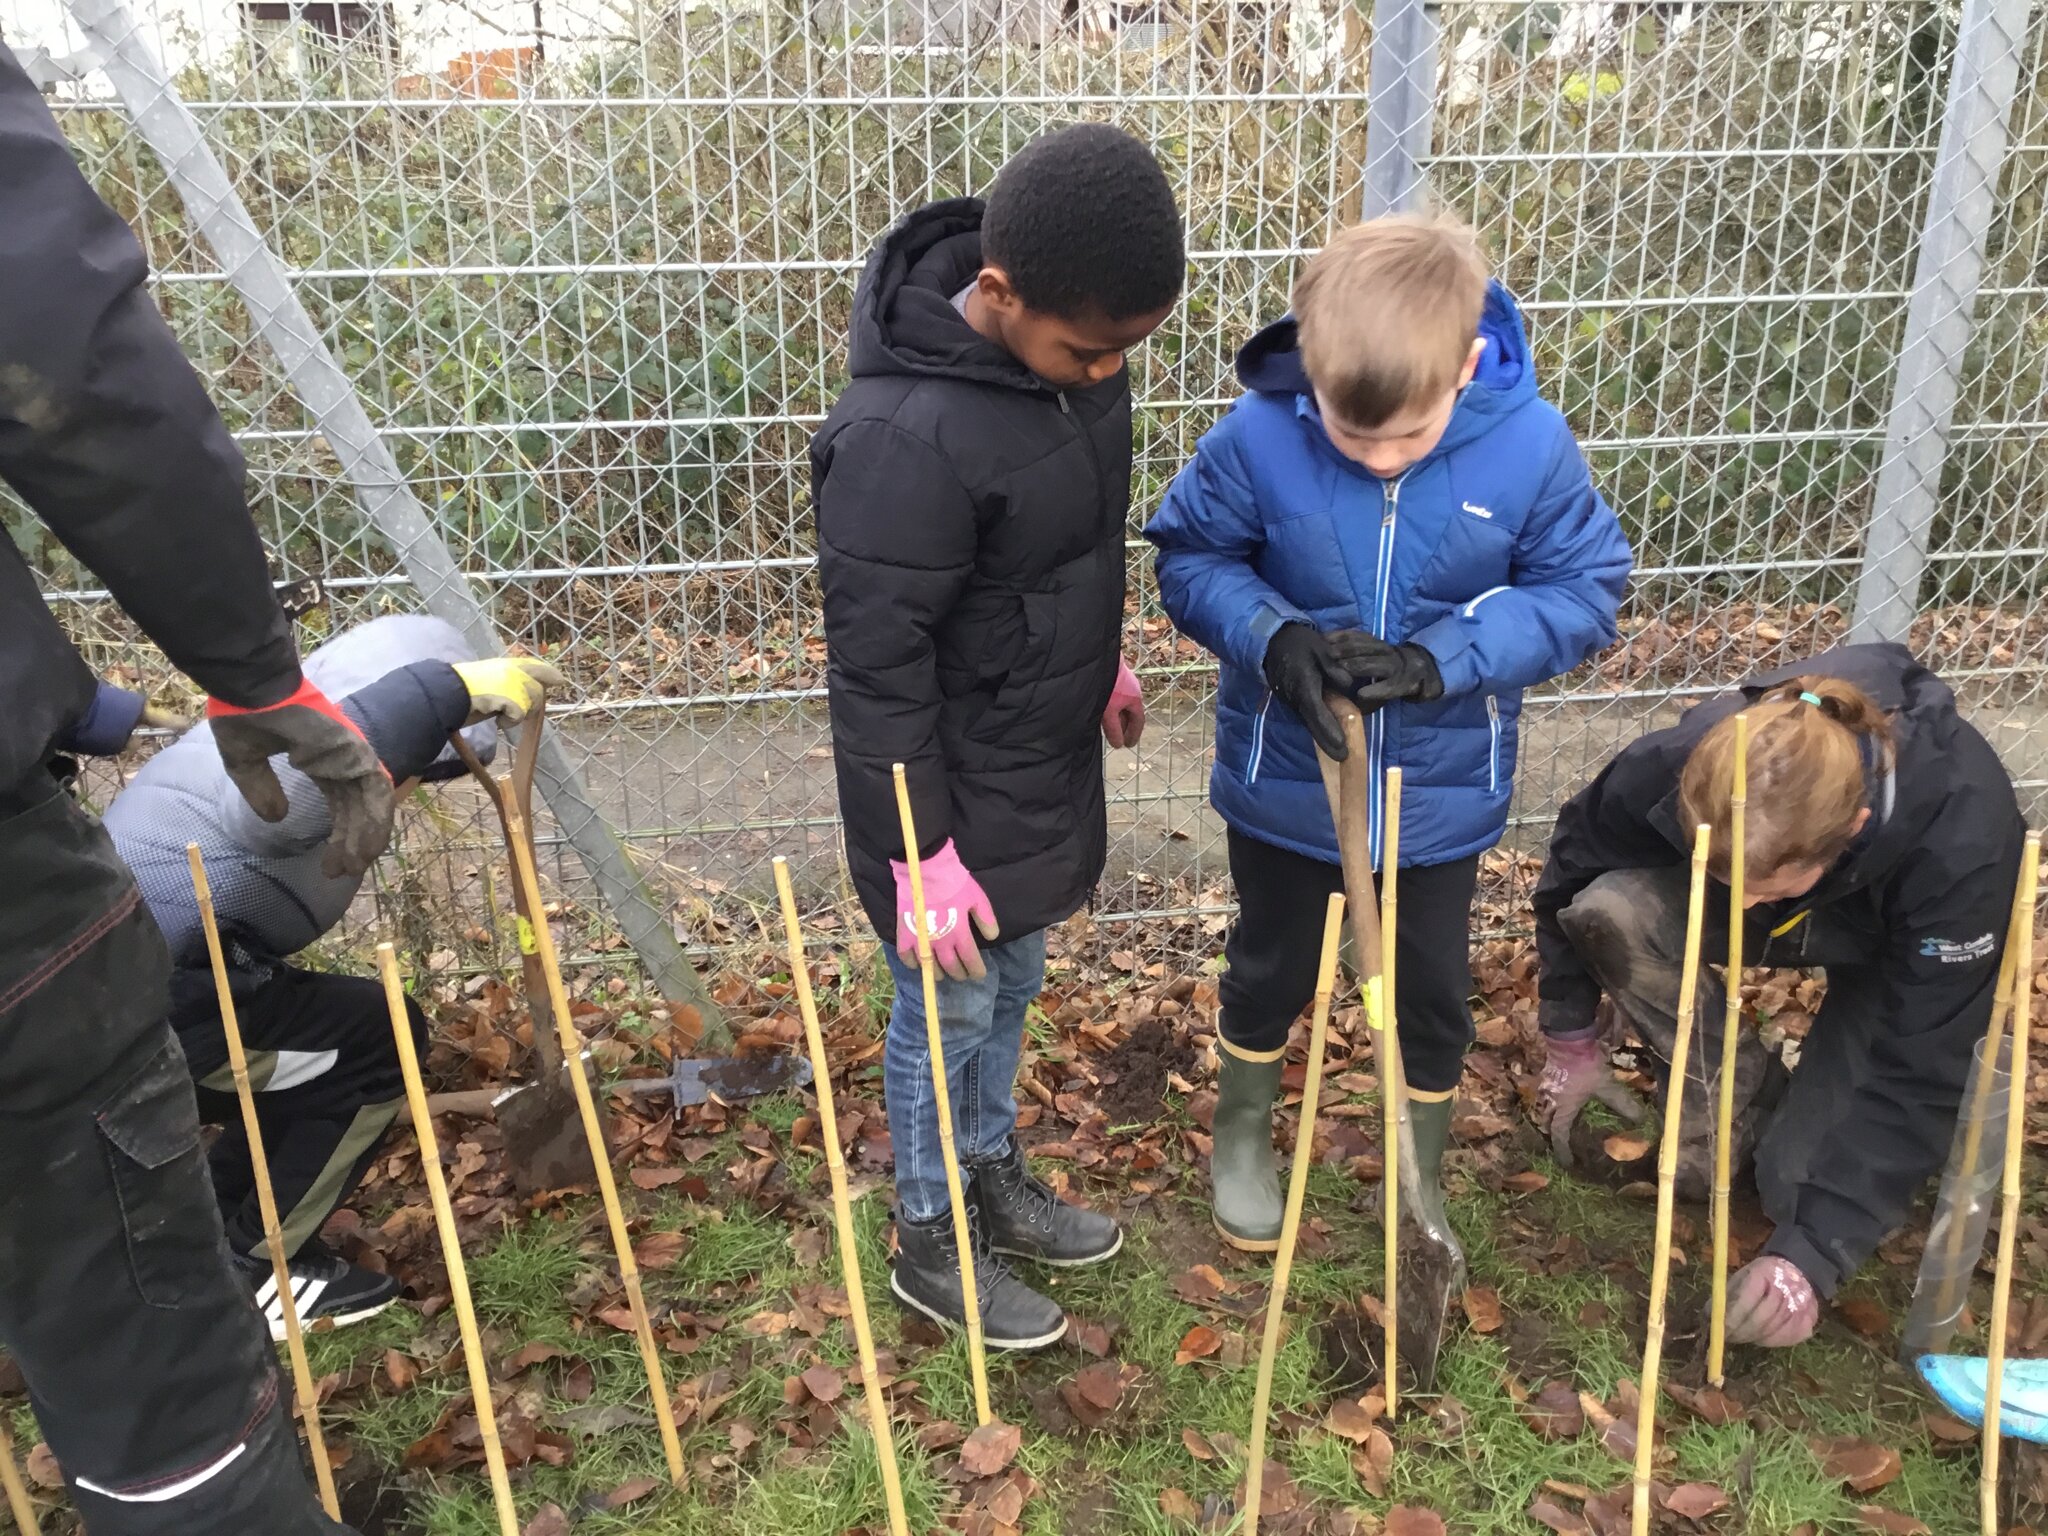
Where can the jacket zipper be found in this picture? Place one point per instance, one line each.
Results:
(1493, 725)
(1376, 740)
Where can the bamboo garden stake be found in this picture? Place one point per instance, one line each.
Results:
(1290, 1225)
(2015, 1146)
(1393, 1089)
(1731, 1025)
(942, 1099)
(451, 1243)
(18, 1503)
(1667, 1174)
(842, 1209)
(520, 838)
(266, 1196)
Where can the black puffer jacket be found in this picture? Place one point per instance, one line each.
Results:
(971, 524)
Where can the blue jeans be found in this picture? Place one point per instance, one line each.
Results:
(982, 1031)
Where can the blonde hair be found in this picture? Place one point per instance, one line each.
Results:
(1387, 313)
(1807, 741)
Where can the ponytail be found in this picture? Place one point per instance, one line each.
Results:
(1810, 741)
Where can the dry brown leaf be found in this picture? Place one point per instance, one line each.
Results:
(1198, 1343)
(1865, 1315)
(399, 1370)
(1554, 1413)
(1696, 1501)
(1352, 1417)
(1553, 1516)
(1626, 1149)
(43, 1470)
(1946, 1429)
(660, 1250)
(1525, 1183)
(1373, 1461)
(1198, 1445)
(657, 1178)
(551, 1521)
(1410, 1520)
(824, 1383)
(1710, 1405)
(631, 1491)
(1890, 1521)
(1089, 1338)
(1862, 1464)
(990, 1449)
(1482, 1309)
(1176, 1505)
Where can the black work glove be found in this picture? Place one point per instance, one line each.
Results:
(1301, 668)
(1382, 673)
(323, 744)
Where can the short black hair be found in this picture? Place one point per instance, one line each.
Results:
(1082, 221)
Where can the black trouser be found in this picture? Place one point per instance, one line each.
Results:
(1277, 941)
(150, 1372)
(325, 1069)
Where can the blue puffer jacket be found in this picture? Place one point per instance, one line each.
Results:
(1494, 552)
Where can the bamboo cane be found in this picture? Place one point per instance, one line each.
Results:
(1290, 1225)
(18, 1502)
(520, 837)
(2015, 1146)
(266, 1195)
(1731, 1025)
(842, 1209)
(1667, 1175)
(1393, 1089)
(451, 1244)
(942, 1099)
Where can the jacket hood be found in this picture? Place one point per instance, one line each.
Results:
(904, 322)
(1270, 364)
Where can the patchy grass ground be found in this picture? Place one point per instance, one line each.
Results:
(1136, 1423)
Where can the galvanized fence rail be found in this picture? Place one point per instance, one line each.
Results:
(588, 267)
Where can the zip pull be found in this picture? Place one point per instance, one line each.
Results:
(1064, 411)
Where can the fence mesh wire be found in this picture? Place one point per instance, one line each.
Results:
(590, 264)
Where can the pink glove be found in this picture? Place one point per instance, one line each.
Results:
(1575, 1072)
(1771, 1303)
(951, 896)
(1124, 721)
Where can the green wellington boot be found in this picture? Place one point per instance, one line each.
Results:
(1431, 1121)
(1244, 1179)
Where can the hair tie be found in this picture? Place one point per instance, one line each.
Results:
(1813, 698)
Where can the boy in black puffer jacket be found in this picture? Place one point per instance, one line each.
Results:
(972, 487)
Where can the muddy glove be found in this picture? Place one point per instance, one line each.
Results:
(506, 686)
(321, 742)
(1576, 1072)
(1383, 673)
(951, 896)
(1301, 668)
(1124, 721)
(1770, 1302)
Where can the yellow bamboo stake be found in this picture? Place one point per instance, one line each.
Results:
(1667, 1175)
(842, 1208)
(520, 838)
(1393, 1092)
(18, 1503)
(1731, 1026)
(942, 1098)
(266, 1196)
(2015, 1146)
(1290, 1225)
(451, 1243)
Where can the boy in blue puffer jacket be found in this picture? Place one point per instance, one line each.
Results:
(1390, 512)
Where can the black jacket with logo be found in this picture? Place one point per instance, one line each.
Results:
(1926, 893)
(971, 524)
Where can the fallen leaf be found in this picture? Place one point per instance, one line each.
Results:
(1176, 1505)
(549, 1522)
(1198, 1445)
(1555, 1517)
(43, 1470)
(1101, 1384)
(660, 1250)
(1890, 1521)
(1710, 1405)
(1373, 1461)
(524, 1358)
(1626, 1149)
(657, 1178)
(1865, 1315)
(399, 1370)
(1482, 1309)
(631, 1492)
(1526, 1183)
(824, 1383)
(1947, 1429)
(990, 1449)
(1353, 1417)
(1409, 1520)
(1553, 1413)
(1862, 1464)
(1696, 1501)
(1278, 1493)
(1089, 1338)
(600, 1419)
(1198, 1343)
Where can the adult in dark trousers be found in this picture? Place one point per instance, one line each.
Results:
(322, 1059)
(150, 1372)
(1882, 841)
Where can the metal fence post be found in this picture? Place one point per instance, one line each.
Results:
(1400, 108)
(255, 272)
(1961, 202)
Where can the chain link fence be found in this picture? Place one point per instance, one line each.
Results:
(589, 265)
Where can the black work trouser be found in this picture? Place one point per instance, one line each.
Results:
(324, 1067)
(150, 1372)
(1277, 941)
